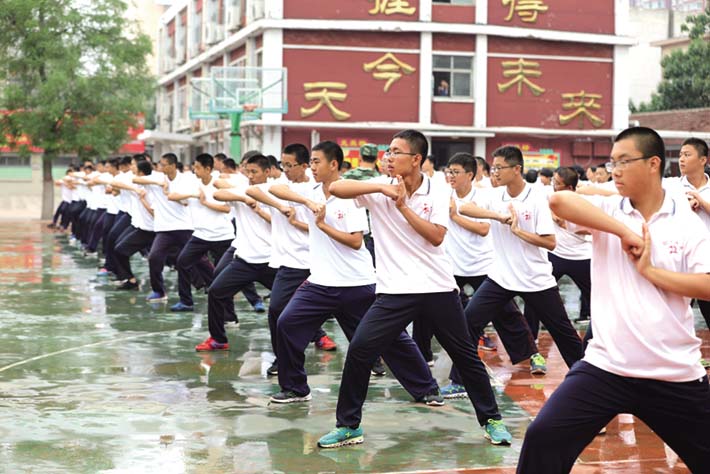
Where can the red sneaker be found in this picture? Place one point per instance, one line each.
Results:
(326, 344)
(210, 344)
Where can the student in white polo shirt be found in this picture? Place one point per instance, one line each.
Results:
(410, 215)
(470, 248)
(251, 257)
(289, 242)
(341, 283)
(213, 232)
(650, 255)
(571, 255)
(173, 228)
(523, 231)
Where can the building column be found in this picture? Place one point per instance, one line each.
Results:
(425, 75)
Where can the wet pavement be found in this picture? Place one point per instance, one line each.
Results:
(97, 380)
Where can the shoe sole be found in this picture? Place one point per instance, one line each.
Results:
(157, 300)
(347, 442)
(182, 310)
(496, 443)
(538, 371)
(455, 396)
(329, 349)
(378, 374)
(487, 349)
(435, 404)
(272, 374)
(211, 350)
(292, 400)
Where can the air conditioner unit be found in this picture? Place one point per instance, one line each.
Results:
(233, 15)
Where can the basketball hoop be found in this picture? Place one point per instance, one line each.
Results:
(249, 107)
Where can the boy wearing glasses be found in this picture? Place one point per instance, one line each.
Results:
(410, 215)
(289, 244)
(522, 229)
(341, 283)
(650, 255)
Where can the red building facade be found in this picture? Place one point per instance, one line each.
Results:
(546, 75)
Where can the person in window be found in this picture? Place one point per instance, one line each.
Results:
(442, 89)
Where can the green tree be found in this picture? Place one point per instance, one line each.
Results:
(73, 77)
(686, 74)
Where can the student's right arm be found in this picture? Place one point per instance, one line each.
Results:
(469, 209)
(574, 208)
(350, 188)
(257, 194)
(229, 196)
(283, 191)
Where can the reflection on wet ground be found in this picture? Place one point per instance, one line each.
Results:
(95, 380)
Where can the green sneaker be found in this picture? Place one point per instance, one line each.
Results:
(705, 363)
(538, 365)
(454, 390)
(497, 433)
(341, 436)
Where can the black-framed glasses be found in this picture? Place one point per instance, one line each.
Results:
(622, 164)
(498, 168)
(390, 153)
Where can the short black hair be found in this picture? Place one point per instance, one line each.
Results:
(144, 166)
(220, 157)
(482, 163)
(124, 161)
(568, 175)
(273, 162)
(416, 140)
(346, 166)
(259, 160)
(139, 157)
(700, 146)
(299, 151)
(593, 168)
(171, 158)
(113, 162)
(546, 172)
(180, 166)
(206, 160)
(230, 164)
(249, 154)
(331, 150)
(648, 142)
(531, 176)
(466, 161)
(512, 156)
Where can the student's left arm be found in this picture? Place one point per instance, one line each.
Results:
(546, 241)
(433, 233)
(690, 285)
(702, 203)
(146, 180)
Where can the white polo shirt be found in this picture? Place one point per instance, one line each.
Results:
(681, 186)
(570, 246)
(253, 240)
(471, 254)
(170, 215)
(289, 244)
(332, 263)
(406, 262)
(210, 225)
(98, 191)
(639, 330)
(140, 217)
(66, 192)
(124, 197)
(520, 266)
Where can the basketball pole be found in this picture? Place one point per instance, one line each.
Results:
(235, 136)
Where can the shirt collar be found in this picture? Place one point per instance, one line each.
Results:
(423, 188)
(684, 181)
(668, 206)
(520, 197)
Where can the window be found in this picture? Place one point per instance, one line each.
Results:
(455, 2)
(453, 76)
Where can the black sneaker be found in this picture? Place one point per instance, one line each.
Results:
(432, 399)
(378, 370)
(290, 397)
(273, 370)
(128, 285)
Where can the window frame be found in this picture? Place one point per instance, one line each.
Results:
(451, 70)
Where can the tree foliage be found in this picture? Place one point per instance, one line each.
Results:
(73, 74)
(686, 74)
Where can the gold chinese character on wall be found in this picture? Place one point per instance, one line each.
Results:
(527, 10)
(388, 68)
(520, 70)
(321, 91)
(390, 7)
(581, 103)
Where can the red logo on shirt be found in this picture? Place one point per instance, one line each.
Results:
(426, 208)
(527, 215)
(340, 215)
(674, 247)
